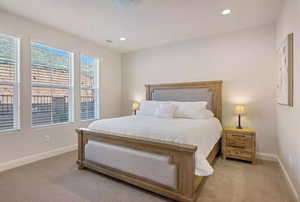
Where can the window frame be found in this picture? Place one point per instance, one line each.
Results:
(96, 88)
(15, 84)
(71, 105)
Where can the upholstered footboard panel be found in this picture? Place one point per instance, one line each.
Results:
(172, 157)
(154, 167)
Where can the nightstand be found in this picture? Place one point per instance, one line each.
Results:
(239, 144)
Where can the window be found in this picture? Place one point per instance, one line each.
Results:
(89, 88)
(9, 82)
(52, 85)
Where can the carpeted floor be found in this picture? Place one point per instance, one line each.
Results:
(58, 180)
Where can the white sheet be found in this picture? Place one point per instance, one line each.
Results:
(201, 132)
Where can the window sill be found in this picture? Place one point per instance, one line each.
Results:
(53, 125)
(9, 131)
(87, 120)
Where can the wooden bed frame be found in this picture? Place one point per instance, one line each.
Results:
(181, 155)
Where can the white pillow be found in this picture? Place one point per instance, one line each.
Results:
(148, 107)
(189, 110)
(165, 111)
(205, 114)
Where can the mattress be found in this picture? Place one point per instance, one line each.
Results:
(204, 133)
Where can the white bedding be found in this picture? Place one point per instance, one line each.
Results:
(201, 132)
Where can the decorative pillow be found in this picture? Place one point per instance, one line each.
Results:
(148, 107)
(165, 111)
(189, 110)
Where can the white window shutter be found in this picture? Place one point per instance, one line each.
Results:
(9, 82)
(89, 88)
(52, 85)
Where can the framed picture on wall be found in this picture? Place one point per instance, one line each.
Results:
(285, 74)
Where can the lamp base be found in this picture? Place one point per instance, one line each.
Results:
(239, 121)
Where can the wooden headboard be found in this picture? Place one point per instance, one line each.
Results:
(210, 91)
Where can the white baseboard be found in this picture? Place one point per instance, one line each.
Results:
(288, 179)
(266, 156)
(36, 157)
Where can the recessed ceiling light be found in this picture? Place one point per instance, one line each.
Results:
(226, 12)
(123, 39)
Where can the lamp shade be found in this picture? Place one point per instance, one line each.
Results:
(240, 109)
(135, 106)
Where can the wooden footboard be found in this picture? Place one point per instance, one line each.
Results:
(181, 155)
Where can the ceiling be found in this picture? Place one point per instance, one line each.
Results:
(148, 23)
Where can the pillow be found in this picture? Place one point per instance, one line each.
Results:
(148, 107)
(165, 111)
(205, 114)
(189, 110)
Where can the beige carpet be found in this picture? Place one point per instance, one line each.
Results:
(58, 180)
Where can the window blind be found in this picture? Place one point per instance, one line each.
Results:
(89, 88)
(52, 85)
(9, 82)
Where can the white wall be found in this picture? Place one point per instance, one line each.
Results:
(244, 60)
(28, 141)
(288, 118)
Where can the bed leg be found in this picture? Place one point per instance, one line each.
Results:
(81, 152)
(186, 170)
(80, 165)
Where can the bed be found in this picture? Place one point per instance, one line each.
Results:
(163, 156)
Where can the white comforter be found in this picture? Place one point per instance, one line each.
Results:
(201, 132)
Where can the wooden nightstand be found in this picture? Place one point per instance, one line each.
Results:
(239, 144)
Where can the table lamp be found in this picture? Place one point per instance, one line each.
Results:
(135, 106)
(240, 110)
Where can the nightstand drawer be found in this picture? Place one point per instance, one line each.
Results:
(238, 153)
(239, 140)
